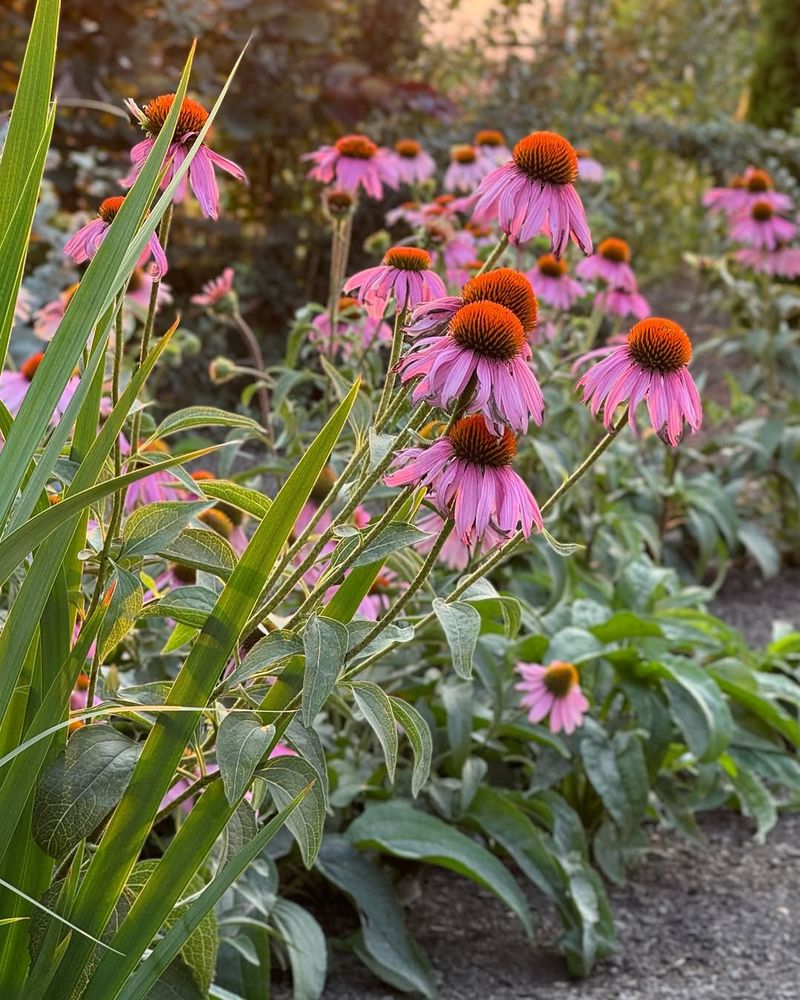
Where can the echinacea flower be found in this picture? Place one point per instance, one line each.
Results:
(534, 192)
(491, 145)
(201, 178)
(217, 290)
(404, 275)
(783, 262)
(619, 302)
(14, 387)
(761, 228)
(553, 690)
(466, 170)
(589, 169)
(503, 285)
(155, 488)
(355, 330)
(378, 598)
(47, 319)
(84, 244)
(412, 164)
(354, 161)
(612, 263)
(485, 346)
(744, 192)
(140, 288)
(469, 475)
(553, 284)
(650, 366)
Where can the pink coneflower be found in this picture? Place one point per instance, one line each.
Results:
(404, 275)
(379, 598)
(784, 262)
(553, 285)
(589, 169)
(618, 302)
(503, 285)
(455, 554)
(650, 366)
(14, 387)
(156, 488)
(457, 252)
(469, 474)
(353, 161)
(84, 244)
(485, 346)
(191, 119)
(47, 319)
(466, 170)
(612, 263)
(553, 690)
(535, 193)
(140, 287)
(355, 330)
(216, 290)
(491, 145)
(761, 227)
(744, 192)
(412, 165)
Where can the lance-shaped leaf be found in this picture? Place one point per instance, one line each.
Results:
(241, 743)
(325, 645)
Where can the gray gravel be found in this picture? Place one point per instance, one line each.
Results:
(751, 604)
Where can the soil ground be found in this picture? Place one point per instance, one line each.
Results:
(716, 920)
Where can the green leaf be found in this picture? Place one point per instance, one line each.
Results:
(625, 625)
(563, 549)
(462, 625)
(187, 605)
(242, 497)
(305, 946)
(202, 550)
(287, 777)
(617, 770)
(699, 709)
(419, 736)
(241, 743)
(755, 800)
(325, 645)
(265, 654)
(395, 536)
(81, 787)
(405, 832)
(124, 609)
(385, 942)
(156, 525)
(376, 708)
(389, 636)
(202, 416)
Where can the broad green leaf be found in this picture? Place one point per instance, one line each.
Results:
(155, 526)
(188, 605)
(304, 941)
(698, 708)
(287, 777)
(306, 741)
(405, 832)
(755, 800)
(395, 536)
(241, 743)
(202, 416)
(241, 497)
(419, 736)
(201, 549)
(377, 710)
(265, 654)
(389, 636)
(462, 625)
(124, 609)
(385, 942)
(625, 625)
(81, 786)
(325, 645)
(617, 770)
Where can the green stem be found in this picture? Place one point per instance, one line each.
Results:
(254, 348)
(495, 255)
(394, 357)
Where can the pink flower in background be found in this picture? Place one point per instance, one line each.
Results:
(781, 263)
(466, 170)
(589, 169)
(535, 193)
(485, 346)
(155, 488)
(140, 287)
(760, 227)
(355, 331)
(379, 598)
(455, 554)
(14, 387)
(354, 161)
(86, 242)
(191, 120)
(651, 366)
(553, 690)
(23, 307)
(756, 185)
(46, 319)
(469, 474)
(409, 212)
(457, 252)
(611, 263)
(412, 165)
(618, 302)
(553, 285)
(491, 146)
(404, 275)
(216, 290)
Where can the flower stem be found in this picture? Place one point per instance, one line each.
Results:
(341, 232)
(415, 584)
(394, 357)
(495, 255)
(257, 358)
